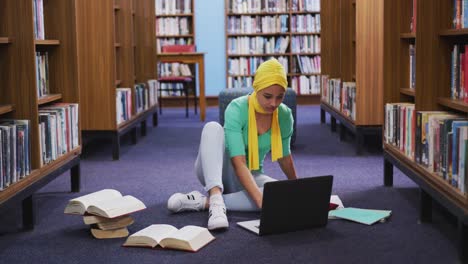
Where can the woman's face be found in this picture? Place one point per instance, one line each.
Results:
(271, 97)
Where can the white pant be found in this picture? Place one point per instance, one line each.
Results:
(214, 168)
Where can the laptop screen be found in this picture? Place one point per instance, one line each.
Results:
(292, 205)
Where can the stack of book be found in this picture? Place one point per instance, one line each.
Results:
(103, 227)
(106, 211)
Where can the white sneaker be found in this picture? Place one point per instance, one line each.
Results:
(192, 201)
(217, 218)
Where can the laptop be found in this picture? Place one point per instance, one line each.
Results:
(292, 205)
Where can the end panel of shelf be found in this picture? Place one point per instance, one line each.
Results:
(95, 39)
(330, 39)
(369, 72)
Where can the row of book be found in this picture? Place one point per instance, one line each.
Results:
(171, 89)
(257, 24)
(160, 42)
(123, 104)
(340, 95)
(146, 96)
(239, 81)
(172, 7)
(306, 84)
(459, 73)
(141, 97)
(153, 92)
(15, 151)
(38, 19)
(248, 66)
(42, 73)
(305, 5)
(305, 23)
(436, 140)
(305, 44)
(172, 26)
(255, 6)
(174, 69)
(348, 99)
(460, 14)
(307, 64)
(257, 45)
(58, 130)
(309, 23)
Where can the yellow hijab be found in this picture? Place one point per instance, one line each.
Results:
(269, 73)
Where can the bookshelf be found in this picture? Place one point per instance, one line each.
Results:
(276, 31)
(175, 23)
(19, 94)
(114, 52)
(433, 37)
(352, 37)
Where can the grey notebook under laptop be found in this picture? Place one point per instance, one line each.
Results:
(292, 205)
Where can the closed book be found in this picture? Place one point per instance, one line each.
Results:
(363, 216)
(105, 234)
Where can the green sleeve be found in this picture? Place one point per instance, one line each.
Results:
(286, 125)
(233, 127)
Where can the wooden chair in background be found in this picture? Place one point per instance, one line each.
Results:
(185, 81)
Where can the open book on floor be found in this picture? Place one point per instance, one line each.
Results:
(107, 203)
(363, 216)
(189, 238)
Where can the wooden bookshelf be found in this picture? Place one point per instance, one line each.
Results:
(18, 96)
(434, 38)
(104, 66)
(290, 14)
(352, 51)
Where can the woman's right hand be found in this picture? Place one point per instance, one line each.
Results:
(259, 201)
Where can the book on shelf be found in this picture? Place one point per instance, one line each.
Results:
(153, 92)
(188, 238)
(108, 203)
(359, 215)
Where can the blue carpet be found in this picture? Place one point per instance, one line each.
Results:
(162, 163)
